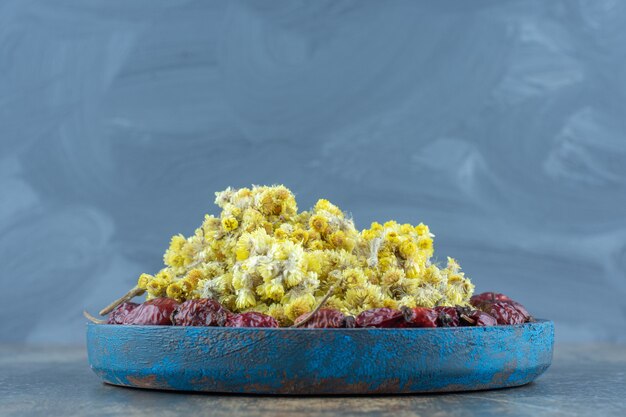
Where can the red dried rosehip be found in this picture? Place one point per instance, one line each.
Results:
(483, 319)
(380, 317)
(522, 310)
(447, 316)
(488, 296)
(251, 319)
(200, 312)
(324, 318)
(118, 315)
(492, 303)
(477, 318)
(505, 312)
(420, 316)
(153, 312)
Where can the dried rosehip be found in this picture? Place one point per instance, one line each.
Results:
(447, 316)
(118, 315)
(488, 296)
(200, 312)
(327, 318)
(153, 312)
(420, 316)
(505, 312)
(493, 304)
(380, 317)
(349, 322)
(522, 310)
(477, 318)
(251, 319)
(483, 319)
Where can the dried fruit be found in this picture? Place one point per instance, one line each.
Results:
(488, 296)
(324, 318)
(200, 312)
(420, 316)
(505, 312)
(477, 318)
(380, 317)
(503, 308)
(251, 319)
(483, 319)
(447, 316)
(522, 310)
(157, 311)
(118, 315)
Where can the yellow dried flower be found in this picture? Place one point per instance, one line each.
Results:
(175, 290)
(391, 303)
(369, 234)
(143, 281)
(406, 229)
(281, 234)
(426, 244)
(387, 262)
(377, 227)
(453, 265)
(177, 242)
(261, 254)
(211, 224)
(252, 219)
(325, 205)
(194, 276)
(300, 236)
(427, 296)
(353, 277)
(422, 230)
(318, 223)
(338, 240)
(313, 261)
(412, 270)
(364, 297)
(229, 224)
(245, 298)
(188, 286)
(278, 312)
(272, 290)
(156, 287)
(392, 276)
(316, 245)
(166, 275)
(298, 306)
(392, 237)
(336, 303)
(408, 301)
(408, 249)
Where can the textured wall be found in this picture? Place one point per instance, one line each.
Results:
(498, 123)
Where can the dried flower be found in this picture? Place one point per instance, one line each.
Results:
(261, 254)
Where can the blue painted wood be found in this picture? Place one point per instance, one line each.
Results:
(320, 361)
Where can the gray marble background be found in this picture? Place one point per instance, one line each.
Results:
(501, 124)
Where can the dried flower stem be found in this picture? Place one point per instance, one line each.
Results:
(468, 319)
(321, 303)
(92, 318)
(129, 295)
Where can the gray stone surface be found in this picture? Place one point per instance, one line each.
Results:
(585, 380)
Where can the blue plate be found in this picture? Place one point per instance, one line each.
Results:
(320, 361)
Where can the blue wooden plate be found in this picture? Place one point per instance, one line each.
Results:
(320, 361)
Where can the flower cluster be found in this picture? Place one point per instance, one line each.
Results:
(261, 254)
